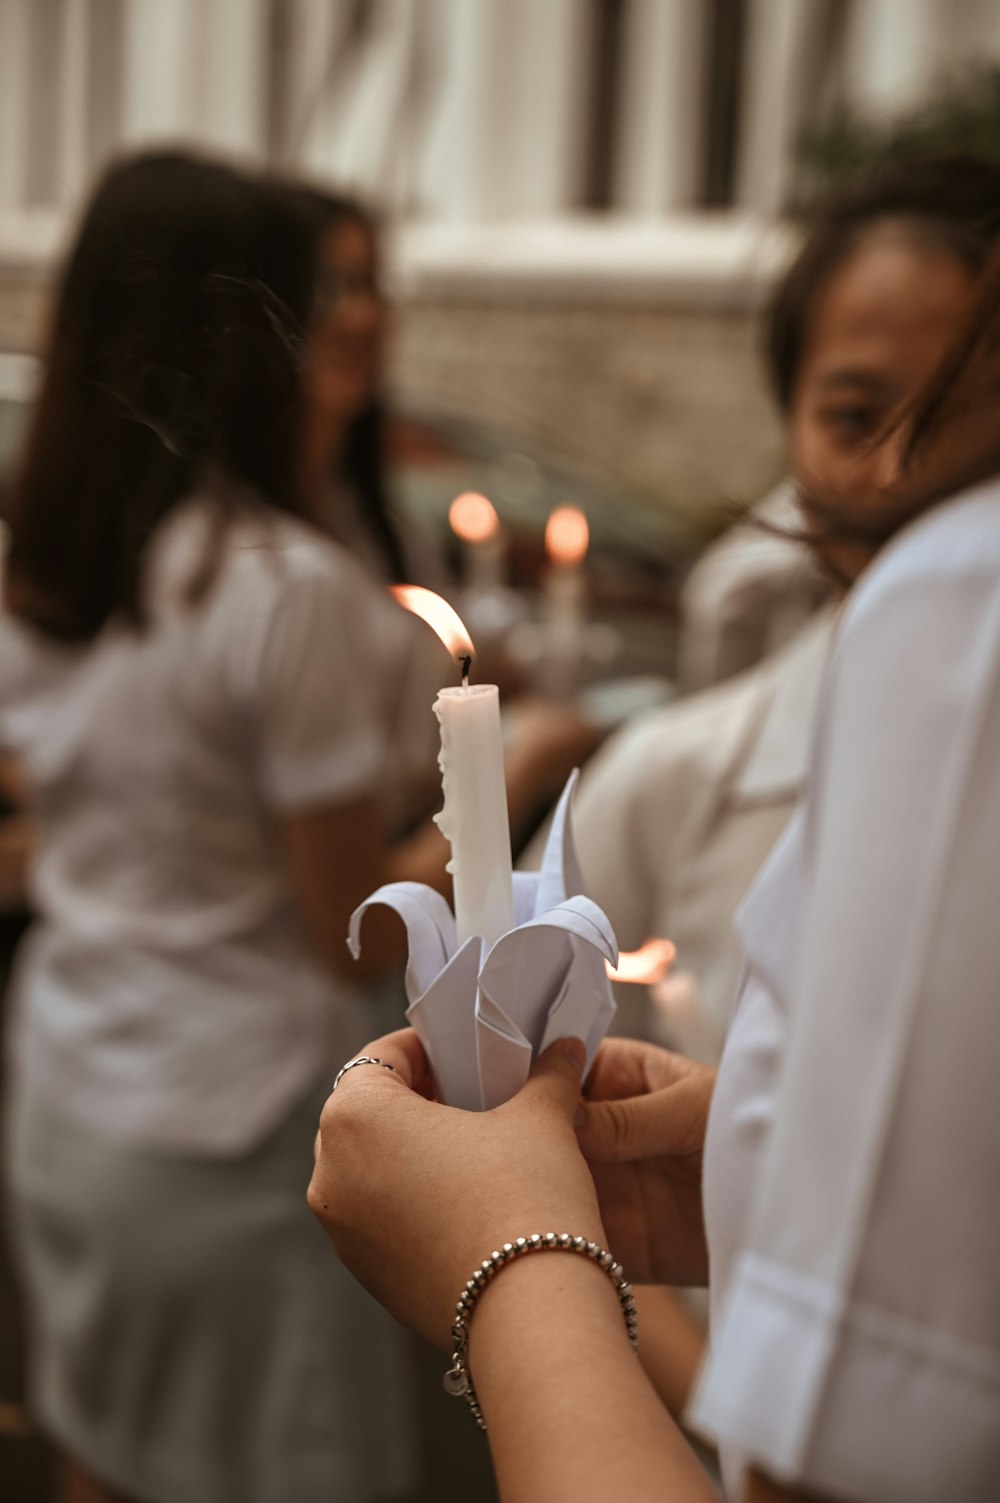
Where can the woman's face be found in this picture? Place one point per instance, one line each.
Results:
(878, 330)
(347, 326)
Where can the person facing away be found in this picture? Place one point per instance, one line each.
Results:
(192, 677)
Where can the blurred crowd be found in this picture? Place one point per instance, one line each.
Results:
(218, 740)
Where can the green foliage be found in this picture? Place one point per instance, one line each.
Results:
(960, 115)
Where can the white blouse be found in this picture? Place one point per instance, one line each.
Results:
(676, 816)
(853, 1163)
(168, 992)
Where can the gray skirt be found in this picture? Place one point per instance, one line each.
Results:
(193, 1337)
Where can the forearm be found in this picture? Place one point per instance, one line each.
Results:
(527, 794)
(14, 786)
(672, 1346)
(571, 1414)
(18, 839)
(336, 859)
(534, 780)
(421, 857)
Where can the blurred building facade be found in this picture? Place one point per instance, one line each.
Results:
(586, 190)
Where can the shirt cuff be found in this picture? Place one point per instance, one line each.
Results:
(845, 1398)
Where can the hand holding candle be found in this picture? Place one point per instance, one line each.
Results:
(493, 983)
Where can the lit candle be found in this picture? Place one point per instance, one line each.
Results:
(473, 519)
(645, 966)
(567, 538)
(474, 818)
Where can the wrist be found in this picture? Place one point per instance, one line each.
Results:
(532, 1284)
(524, 1251)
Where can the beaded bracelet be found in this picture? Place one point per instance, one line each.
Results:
(458, 1379)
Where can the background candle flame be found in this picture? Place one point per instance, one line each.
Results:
(647, 965)
(438, 614)
(473, 518)
(567, 536)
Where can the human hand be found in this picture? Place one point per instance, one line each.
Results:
(414, 1195)
(642, 1130)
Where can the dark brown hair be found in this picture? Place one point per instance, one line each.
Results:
(173, 363)
(949, 436)
(951, 203)
(967, 382)
(362, 462)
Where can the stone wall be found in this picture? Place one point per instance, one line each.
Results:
(671, 400)
(23, 301)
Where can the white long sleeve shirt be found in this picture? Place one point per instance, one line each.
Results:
(854, 1147)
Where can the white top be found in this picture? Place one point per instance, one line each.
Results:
(168, 992)
(854, 1145)
(677, 814)
(748, 594)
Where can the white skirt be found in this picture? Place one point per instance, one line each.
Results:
(193, 1337)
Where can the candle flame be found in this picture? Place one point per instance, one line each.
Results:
(473, 518)
(438, 614)
(647, 965)
(567, 536)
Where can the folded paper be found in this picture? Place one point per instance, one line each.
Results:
(484, 1014)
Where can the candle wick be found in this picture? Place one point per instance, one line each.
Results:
(466, 661)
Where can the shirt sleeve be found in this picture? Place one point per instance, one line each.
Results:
(858, 1350)
(312, 674)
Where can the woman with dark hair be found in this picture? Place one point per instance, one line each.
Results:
(676, 815)
(344, 468)
(191, 676)
(343, 453)
(343, 432)
(754, 587)
(849, 1222)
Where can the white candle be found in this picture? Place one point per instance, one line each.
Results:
(474, 520)
(564, 599)
(474, 818)
(567, 537)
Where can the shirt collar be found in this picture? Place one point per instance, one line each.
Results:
(779, 758)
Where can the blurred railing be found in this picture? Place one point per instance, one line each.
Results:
(465, 113)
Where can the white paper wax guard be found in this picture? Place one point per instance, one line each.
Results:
(484, 1017)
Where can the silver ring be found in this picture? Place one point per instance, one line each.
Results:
(362, 1059)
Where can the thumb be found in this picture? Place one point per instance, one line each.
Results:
(557, 1074)
(636, 1127)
